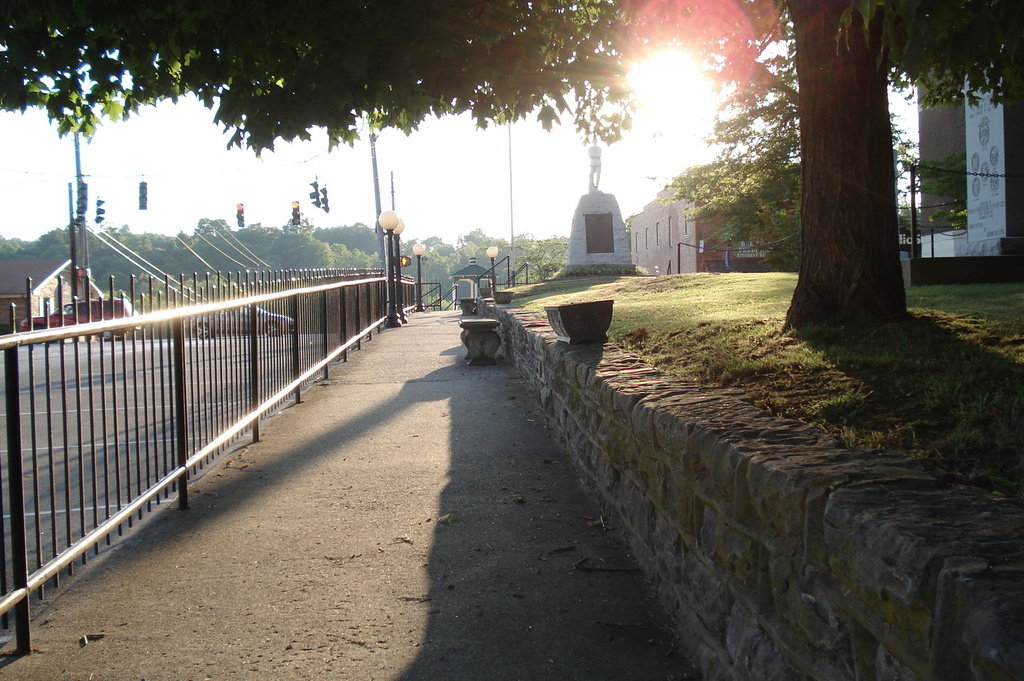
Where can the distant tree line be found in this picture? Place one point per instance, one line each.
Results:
(215, 246)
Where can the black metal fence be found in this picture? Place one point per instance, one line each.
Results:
(106, 419)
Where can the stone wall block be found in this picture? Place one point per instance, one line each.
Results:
(979, 630)
(637, 507)
(805, 599)
(708, 598)
(668, 548)
(778, 483)
(641, 423)
(889, 573)
(753, 651)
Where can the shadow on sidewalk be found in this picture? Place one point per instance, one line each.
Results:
(525, 579)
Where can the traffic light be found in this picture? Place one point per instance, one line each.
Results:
(314, 195)
(143, 196)
(83, 199)
(240, 214)
(323, 200)
(101, 212)
(295, 213)
(404, 261)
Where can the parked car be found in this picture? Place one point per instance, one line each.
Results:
(88, 311)
(236, 322)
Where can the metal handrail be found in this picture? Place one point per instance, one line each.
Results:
(514, 276)
(511, 278)
(128, 420)
(445, 300)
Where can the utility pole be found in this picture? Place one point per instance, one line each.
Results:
(511, 209)
(378, 230)
(83, 205)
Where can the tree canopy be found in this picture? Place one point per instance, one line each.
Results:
(275, 69)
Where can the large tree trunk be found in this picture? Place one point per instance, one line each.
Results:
(849, 263)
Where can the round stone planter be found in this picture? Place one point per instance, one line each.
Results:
(576, 323)
(502, 297)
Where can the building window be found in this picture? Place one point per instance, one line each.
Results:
(647, 238)
(657, 234)
(686, 225)
(669, 230)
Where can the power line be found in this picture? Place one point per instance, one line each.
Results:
(210, 243)
(209, 267)
(247, 252)
(124, 252)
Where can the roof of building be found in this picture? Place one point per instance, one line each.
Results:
(471, 270)
(13, 273)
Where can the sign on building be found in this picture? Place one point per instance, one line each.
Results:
(986, 170)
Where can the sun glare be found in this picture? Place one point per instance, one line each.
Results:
(674, 97)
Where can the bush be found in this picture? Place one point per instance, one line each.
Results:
(597, 271)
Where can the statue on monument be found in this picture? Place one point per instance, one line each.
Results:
(595, 167)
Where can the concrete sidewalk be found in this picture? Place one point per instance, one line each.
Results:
(411, 520)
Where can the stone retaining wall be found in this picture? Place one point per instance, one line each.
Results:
(780, 554)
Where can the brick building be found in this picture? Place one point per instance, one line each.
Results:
(665, 240)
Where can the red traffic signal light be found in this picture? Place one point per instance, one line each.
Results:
(295, 213)
(240, 214)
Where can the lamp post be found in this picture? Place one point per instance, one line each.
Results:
(388, 221)
(419, 250)
(399, 288)
(492, 253)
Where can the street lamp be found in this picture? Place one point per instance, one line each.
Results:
(399, 287)
(492, 253)
(388, 221)
(419, 250)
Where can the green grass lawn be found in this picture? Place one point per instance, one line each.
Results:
(946, 384)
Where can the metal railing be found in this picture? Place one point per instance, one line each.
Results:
(521, 275)
(434, 298)
(105, 420)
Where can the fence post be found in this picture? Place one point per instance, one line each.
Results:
(180, 418)
(343, 321)
(326, 335)
(254, 371)
(357, 314)
(19, 545)
(296, 357)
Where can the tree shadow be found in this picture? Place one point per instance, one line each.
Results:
(948, 397)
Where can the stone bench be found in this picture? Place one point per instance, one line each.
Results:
(480, 336)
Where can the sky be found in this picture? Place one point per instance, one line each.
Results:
(449, 177)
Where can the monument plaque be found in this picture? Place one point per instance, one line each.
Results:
(599, 233)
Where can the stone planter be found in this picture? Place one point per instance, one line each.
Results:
(485, 291)
(581, 322)
(502, 297)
